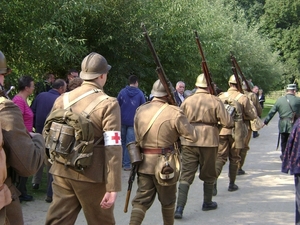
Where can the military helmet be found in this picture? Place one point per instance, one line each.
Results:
(3, 65)
(158, 90)
(201, 81)
(232, 80)
(93, 65)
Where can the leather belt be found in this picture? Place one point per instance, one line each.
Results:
(156, 150)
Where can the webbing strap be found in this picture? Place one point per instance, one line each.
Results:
(67, 104)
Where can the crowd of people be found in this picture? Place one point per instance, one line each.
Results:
(198, 133)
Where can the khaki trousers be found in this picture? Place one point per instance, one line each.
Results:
(203, 158)
(70, 196)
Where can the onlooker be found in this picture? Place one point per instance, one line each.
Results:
(24, 156)
(261, 98)
(255, 91)
(157, 126)
(95, 189)
(46, 85)
(25, 88)
(287, 106)
(290, 163)
(74, 83)
(129, 98)
(72, 73)
(41, 107)
(179, 93)
(204, 111)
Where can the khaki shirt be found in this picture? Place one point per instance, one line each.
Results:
(254, 99)
(165, 131)
(249, 113)
(107, 160)
(205, 111)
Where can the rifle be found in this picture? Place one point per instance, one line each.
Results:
(160, 71)
(236, 75)
(236, 65)
(206, 72)
(130, 182)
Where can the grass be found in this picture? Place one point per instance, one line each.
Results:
(267, 106)
(41, 193)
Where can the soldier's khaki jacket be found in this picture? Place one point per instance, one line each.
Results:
(254, 99)
(249, 112)
(106, 164)
(24, 154)
(165, 131)
(205, 111)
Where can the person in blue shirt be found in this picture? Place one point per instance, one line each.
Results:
(129, 98)
(41, 107)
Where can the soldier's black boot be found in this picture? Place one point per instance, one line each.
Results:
(183, 190)
(243, 154)
(232, 175)
(232, 187)
(178, 212)
(208, 204)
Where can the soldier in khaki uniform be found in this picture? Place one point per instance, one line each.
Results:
(94, 190)
(255, 102)
(25, 151)
(159, 139)
(205, 112)
(229, 147)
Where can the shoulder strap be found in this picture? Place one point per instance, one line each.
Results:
(68, 104)
(93, 104)
(153, 119)
(289, 103)
(238, 96)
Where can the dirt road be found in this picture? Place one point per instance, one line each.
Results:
(265, 195)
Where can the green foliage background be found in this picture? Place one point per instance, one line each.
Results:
(42, 36)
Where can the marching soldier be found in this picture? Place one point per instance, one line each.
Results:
(25, 151)
(230, 147)
(157, 127)
(205, 112)
(94, 190)
(288, 107)
(243, 153)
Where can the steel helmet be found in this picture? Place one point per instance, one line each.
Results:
(93, 65)
(158, 90)
(201, 81)
(232, 80)
(3, 65)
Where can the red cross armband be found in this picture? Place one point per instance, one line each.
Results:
(112, 138)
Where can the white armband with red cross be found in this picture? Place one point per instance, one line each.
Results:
(112, 138)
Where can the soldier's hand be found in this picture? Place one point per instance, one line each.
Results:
(108, 200)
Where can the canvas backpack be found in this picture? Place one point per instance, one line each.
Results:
(235, 109)
(69, 136)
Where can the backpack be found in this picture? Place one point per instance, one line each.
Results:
(235, 109)
(69, 136)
